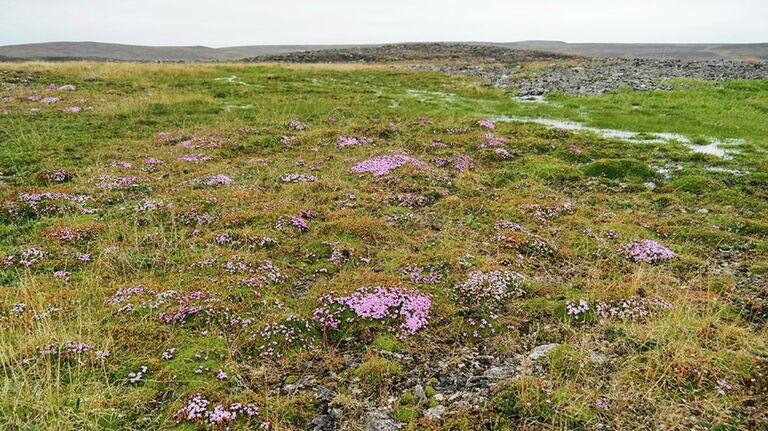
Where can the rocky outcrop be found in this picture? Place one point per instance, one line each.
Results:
(600, 76)
(416, 52)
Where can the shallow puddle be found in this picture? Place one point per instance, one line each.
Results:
(229, 108)
(715, 147)
(232, 80)
(424, 95)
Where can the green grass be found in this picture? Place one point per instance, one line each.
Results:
(575, 197)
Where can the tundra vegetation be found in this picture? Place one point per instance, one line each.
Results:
(315, 247)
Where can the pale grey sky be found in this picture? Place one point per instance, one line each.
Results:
(257, 22)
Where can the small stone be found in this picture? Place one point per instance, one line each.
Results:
(419, 394)
(322, 423)
(435, 413)
(499, 373)
(542, 351)
(598, 357)
(324, 394)
(381, 419)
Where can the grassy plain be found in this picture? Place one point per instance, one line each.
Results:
(154, 259)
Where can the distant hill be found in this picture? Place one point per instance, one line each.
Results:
(460, 52)
(110, 51)
(97, 51)
(696, 51)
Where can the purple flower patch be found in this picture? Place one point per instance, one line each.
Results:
(374, 303)
(647, 250)
(383, 165)
(350, 141)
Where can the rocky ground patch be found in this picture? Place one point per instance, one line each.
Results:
(600, 76)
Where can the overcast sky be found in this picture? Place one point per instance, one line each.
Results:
(221, 23)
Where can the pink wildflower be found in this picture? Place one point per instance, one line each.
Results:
(375, 303)
(349, 141)
(648, 251)
(382, 165)
(488, 124)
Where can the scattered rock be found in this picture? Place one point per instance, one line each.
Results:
(500, 373)
(419, 393)
(603, 75)
(541, 351)
(381, 419)
(323, 423)
(435, 413)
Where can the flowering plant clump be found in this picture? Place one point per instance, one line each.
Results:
(461, 163)
(194, 217)
(212, 180)
(46, 203)
(480, 327)
(350, 141)
(648, 251)
(501, 152)
(228, 239)
(168, 354)
(307, 213)
(544, 213)
(488, 124)
(72, 352)
(136, 376)
(183, 307)
(457, 130)
(339, 254)
(492, 140)
(298, 178)
(27, 257)
(577, 310)
(409, 200)
(383, 165)
(121, 164)
(299, 223)
(575, 149)
(169, 138)
(200, 410)
(49, 100)
(295, 124)
(374, 304)
(506, 225)
(632, 308)
(276, 338)
(194, 158)
(268, 242)
(169, 305)
(197, 143)
(72, 234)
(422, 274)
(56, 176)
(111, 182)
(493, 285)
